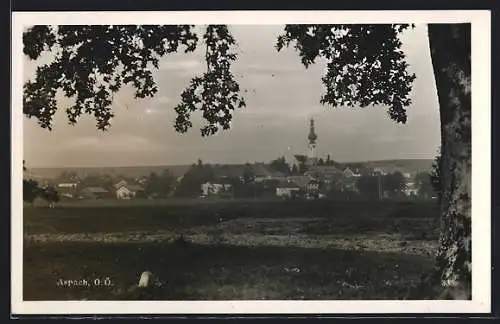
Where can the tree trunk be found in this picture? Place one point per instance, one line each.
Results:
(450, 53)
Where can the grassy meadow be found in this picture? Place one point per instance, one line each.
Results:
(230, 249)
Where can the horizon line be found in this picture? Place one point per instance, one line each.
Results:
(211, 163)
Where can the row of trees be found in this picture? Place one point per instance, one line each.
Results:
(245, 186)
(159, 185)
(392, 184)
(282, 166)
(166, 185)
(105, 181)
(190, 184)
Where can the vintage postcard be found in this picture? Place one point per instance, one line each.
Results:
(251, 162)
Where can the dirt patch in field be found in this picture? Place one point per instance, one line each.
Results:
(361, 242)
(289, 232)
(410, 228)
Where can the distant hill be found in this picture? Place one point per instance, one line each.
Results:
(136, 171)
(411, 166)
(408, 165)
(131, 171)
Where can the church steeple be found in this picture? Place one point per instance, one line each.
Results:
(312, 134)
(312, 143)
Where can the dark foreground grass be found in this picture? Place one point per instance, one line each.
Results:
(222, 272)
(196, 272)
(408, 218)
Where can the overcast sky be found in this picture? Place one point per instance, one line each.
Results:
(281, 96)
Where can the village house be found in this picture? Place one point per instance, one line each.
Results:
(299, 185)
(299, 180)
(312, 189)
(142, 180)
(264, 175)
(313, 185)
(348, 173)
(325, 171)
(287, 189)
(346, 183)
(378, 172)
(411, 189)
(347, 180)
(128, 191)
(214, 188)
(67, 185)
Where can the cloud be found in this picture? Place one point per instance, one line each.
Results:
(275, 118)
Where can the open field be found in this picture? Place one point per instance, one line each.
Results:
(244, 250)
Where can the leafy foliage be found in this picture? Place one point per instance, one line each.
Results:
(190, 184)
(68, 176)
(248, 174)
(368, 186)
(161, 185)
(30, 190)
(280, 165)
(435, 175)
(374, 186)
(394, 182)
(366, 66)
(424, 184)
(91, 63)
(365, 63)
(50, 194)
(215, 93)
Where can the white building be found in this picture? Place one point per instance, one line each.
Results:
(411, 189)
(209, 188)
(378, 171)
(127, 192)
(286, 190)
(124, 193)
(71, 185)
(348, 173)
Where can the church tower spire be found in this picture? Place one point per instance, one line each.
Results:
(312, 142)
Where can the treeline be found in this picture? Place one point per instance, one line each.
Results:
(32, 190)
(392, 186)
(166, 184)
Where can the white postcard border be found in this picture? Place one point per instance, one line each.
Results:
(481, 162)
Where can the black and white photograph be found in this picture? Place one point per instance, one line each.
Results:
(259, 161)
